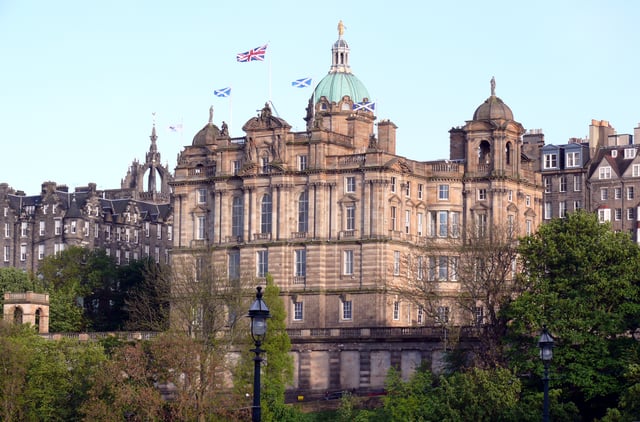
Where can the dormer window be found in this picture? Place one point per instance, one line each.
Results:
(550, 161)
(573, 159)
(614, 153)
(629, 153)
(604, 173)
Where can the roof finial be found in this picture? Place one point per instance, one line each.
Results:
(211, 115)
(340, 29)
(493, 86)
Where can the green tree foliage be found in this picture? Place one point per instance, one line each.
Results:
(582, 282)
(16, 281)
(41, 379)
(475, 395)
(278, 373)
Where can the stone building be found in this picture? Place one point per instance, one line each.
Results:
(331, 212)
(132, 222)
(600, 174)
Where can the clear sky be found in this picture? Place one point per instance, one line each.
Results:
(81, 79)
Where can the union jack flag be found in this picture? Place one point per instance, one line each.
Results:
(364, 106)
(252, 55)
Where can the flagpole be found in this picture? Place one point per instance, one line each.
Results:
(230, 110)
(269, 74)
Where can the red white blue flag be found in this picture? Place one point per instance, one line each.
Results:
(252, 55)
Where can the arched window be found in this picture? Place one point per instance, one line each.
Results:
(507, 151)
(484, 152)
(303, 212)
(17, 315)
(266, 214)
(38, 314)
(236, 216)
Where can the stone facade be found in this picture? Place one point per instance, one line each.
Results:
(332, 212)
(132, 222)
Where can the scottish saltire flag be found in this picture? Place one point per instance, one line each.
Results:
(252, 55)
(223, 92)
(364, 106)
(176, 128)
(301, 83)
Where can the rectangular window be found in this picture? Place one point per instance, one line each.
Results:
(443, 224)
(393, 183)
(481, 224)
(455, 223)
(604, 194)
(420, 190)
(443, 268)
(432, 268)
(420, 223)
(40, 252)
(482, 194)
(547, 184)
(629, 153)
(604, 215)
(631, 215)
(528, 227)
(420, 268)
(7, 230)
(158, 232)
(96, 231)
(302, 162)
(42, 228)
(577, 183)
(57, 227)
(432, 222)
(234, 264)
(617, 193)
(263, 263)
(443, 192)
(301, 262)
(24, 228)
(347, 312)
(510, 196)
(407, 189)
(635, 170)
(577, 204)
(156, 255)
(169, 233)
(573, 159)
(478, 315)
(604, 173)
(348, 262)
(350, 184)
(547, 211)
(396, 310)
(550, 161)
(147, 226)
(7, 253)
(420, 316)
(563, 184)
(351, 217)
(298, 308)
(236, 217)
(200, 229)
(527, 200)
(562, 209)
(23, 253)
(453, 261)
(617, 214)
(235, 167)
(393, 218)
(443, 314)
(630, 192)
(396, 262)
(407, 221)
(265, 168)
(202, 196)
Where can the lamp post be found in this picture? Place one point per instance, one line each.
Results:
(545, 343)
(258, 312)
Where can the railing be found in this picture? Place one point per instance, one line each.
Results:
(425, 332)
(26, 297)
(348, 234)
(262, 236)
(445, 167)
(298, 235)
(299, 279)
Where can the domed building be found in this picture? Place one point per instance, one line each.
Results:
(344, 225)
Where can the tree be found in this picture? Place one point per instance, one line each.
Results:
(582, 281)
(16, 281)
(149, 297)
(475, 274)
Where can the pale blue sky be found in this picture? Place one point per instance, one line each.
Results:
(81, 79)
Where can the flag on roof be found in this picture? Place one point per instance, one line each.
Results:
(301, 83)
(222, 92)
(364, 106)
(176, 128)
(252, 55)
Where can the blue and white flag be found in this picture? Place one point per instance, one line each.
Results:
(223, 92)
(364, 106)
(301, 83)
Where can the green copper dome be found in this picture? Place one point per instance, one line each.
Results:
(334, 86)
(340, 81)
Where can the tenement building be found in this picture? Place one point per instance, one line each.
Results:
(600, 174)
(333, 213)
(132, 222)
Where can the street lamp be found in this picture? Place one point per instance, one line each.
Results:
(545, 343)
(258, 312)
